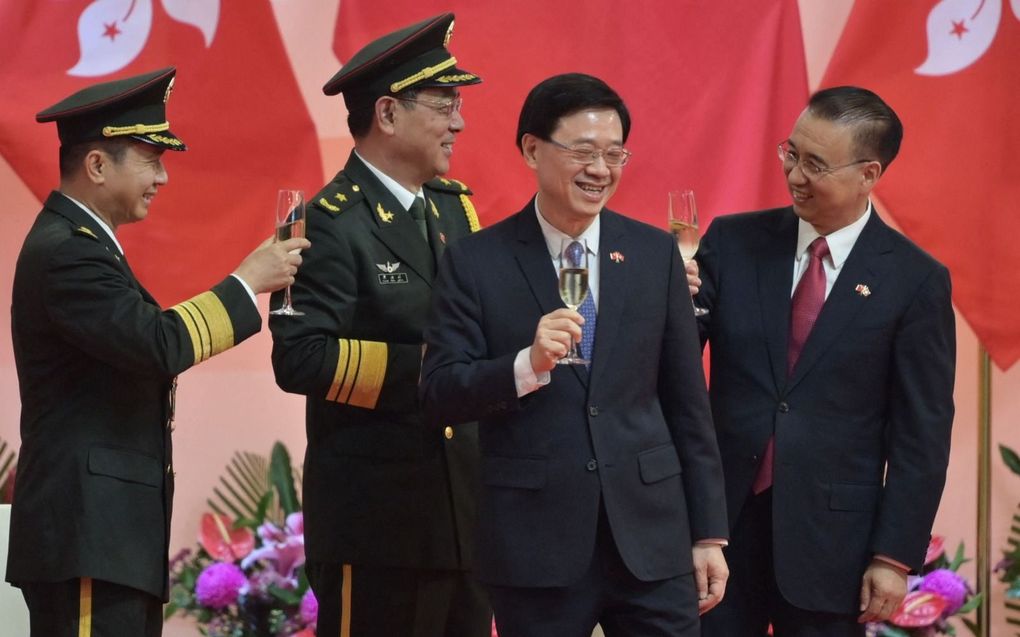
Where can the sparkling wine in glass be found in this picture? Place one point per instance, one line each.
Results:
(573, 286)
(683, 223)
(290, 224)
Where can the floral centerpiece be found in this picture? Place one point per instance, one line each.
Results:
(246, 577)
(1009, 568)
(934, 596)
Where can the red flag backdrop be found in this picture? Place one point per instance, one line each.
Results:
(236, 104)
(951, 70)
(712, 87)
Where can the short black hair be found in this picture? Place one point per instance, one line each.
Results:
(71, 156)
(877, 131)
(359, 121)
(563, 95)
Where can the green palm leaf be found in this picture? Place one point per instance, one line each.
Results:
(1012, 575)
(255, 489)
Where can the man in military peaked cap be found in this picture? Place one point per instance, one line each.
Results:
(97, 358)
(389, 504)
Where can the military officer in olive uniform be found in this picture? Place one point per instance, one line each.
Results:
(97, 358)
(389, 503)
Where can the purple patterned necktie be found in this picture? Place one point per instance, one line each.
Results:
(575, 252)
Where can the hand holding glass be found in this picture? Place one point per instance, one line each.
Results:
(683, 223)
(290, 224)
(573, 259)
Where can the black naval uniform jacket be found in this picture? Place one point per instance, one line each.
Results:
(380, 488)
(96, 360)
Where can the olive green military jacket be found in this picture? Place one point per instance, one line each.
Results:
(96, 358)
(379, 487)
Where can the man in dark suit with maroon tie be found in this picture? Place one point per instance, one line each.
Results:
(833, 354)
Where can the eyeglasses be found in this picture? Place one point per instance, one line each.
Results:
(812, 170)
(444, 108)
(586, 155)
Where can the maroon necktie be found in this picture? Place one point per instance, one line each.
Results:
(807, 302)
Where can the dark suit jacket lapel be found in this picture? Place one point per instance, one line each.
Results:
(866, 265)
(532, 254)
(613, 285)
(393, 225)
(66, 208)
(775, 280)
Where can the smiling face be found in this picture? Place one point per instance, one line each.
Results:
(129, 183)
(570, 194)
(425, 136)
(831, 200)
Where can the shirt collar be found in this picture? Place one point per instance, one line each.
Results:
(102, 224)
(553, 236)
(841, 242)
(402, 195)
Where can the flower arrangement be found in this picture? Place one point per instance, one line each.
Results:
(246, 578)
(1009, 568)
(934, 596)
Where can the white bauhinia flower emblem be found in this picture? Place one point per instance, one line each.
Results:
(960, 32)
(111, 33)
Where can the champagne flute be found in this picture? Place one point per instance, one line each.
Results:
(683, 223)
(290, 224)
(573, 261)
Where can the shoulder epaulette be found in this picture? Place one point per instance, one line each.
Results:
(338, 195)
(86, 231)
(451, 186)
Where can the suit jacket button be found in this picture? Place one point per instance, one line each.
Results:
(783, 407)
(593, 411)
(448, 432)
(169, 469)
(592, 465)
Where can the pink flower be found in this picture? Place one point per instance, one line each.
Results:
(284, 548)
(936, 548)
(947, 584)
(309, 609)
(218, 585)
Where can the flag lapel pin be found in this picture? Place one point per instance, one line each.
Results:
(616, 257)
(863, 290)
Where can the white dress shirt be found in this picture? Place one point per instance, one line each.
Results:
(841, 242)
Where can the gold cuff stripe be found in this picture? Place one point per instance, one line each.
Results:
(371, 374)
(470, 213)
(345, 602)
(423, 74)
(350, 376)
(135, 129)
(359, 375)
(85, 607)
(342, 363)
(208, 325)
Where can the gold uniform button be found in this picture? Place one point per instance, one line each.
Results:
(448, 432)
